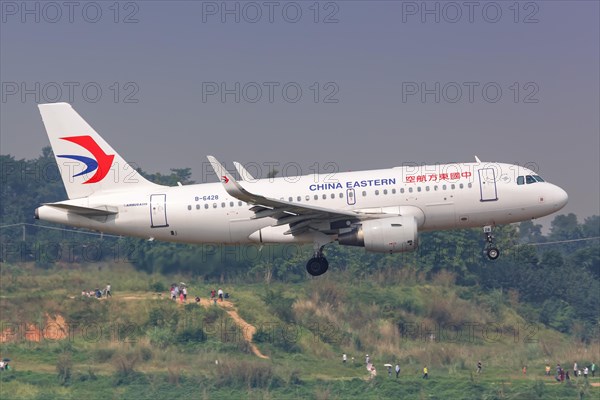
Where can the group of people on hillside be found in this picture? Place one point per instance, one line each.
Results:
(218, 294)
(562, 374)
(4, 364)
(373, 371)
(179, 292)
(97, 293)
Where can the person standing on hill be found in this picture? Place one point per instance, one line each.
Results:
(585, 372)
(479, 365)
(575, 369)
(344, 358)
(524, 369)
(220, 293)
(593, 369)
(547, 369)
(397, 370)
(367, 359)
(425, 372)
(108, 294)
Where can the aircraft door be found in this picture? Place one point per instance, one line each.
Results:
(350, 197)
(158, 210)
(487, 184)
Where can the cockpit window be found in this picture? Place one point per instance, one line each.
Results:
(520, 180)
(529, 179)
(538, 178)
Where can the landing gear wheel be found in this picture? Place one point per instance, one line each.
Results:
(493, 253)
(317, 266)
(491, 250)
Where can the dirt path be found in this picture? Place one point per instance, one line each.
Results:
(247, 330)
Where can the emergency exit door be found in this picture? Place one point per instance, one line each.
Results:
(487, 184)
(158, 210)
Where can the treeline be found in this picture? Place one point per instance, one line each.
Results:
(556, 276)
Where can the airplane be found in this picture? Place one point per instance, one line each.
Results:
(381, 210)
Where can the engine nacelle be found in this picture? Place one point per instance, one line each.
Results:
(384, 235)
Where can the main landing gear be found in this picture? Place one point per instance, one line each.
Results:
(317, 265)
(491, 250)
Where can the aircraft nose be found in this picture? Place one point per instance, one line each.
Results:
(559, 197)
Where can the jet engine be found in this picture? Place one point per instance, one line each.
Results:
(384, 235)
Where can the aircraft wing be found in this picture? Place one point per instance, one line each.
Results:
(300, 217)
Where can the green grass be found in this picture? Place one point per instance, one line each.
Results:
(151, 347)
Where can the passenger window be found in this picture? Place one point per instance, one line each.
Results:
(461, 186)
(349, 194)
(299, 198)
(419, 189)
(393, 191)
(316, 197)
(290, 198)
(333, 195)
(231, 204)
(364, 193)
(206, 206)
(444, 187)
(470, 185)
(189, 208)
(384, 191)
(377, 193)
(410, 189)
(197, 206)
(435, 188)
(453, 186)
(520, 180)
(427, 188)
(324, 197)
(239, 203)
(223, 205)
(307, 197)
(214, 205)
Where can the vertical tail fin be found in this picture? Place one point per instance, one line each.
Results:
(86, 162)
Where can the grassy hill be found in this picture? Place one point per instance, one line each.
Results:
(139, 344)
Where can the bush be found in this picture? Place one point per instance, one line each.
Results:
(157, 286)
(161, 337)
(103, 355)
(191, 335)
(64, 367)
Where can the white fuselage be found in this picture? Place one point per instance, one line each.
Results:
(481, 195)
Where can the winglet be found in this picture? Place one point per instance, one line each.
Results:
(229, 183)
(244, 174)
(477, 159)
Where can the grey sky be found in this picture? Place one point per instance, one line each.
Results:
(366, 58)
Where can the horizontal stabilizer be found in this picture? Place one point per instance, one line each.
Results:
(100, 211)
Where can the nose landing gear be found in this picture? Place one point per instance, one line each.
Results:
(491, 250)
